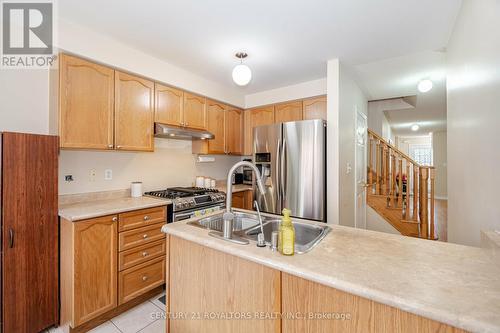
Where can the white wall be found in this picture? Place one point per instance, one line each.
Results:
(332, 133)
(440, 158)
(377, 121)
(473, 86)
(172, 164)
(288, 93)
(351, 99)
(24, 101)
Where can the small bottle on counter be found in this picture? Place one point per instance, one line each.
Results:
(286, 238)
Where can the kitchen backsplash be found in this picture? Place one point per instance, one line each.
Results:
(172, 164)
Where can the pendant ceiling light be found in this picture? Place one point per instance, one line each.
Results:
(241, 73)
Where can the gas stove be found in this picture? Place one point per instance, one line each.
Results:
(189, 202)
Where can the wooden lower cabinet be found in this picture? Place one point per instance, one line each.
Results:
(88, 272)
(348, 313)
(243, 200)
(102, 269)
(205, 283)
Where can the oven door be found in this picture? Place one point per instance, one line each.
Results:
(196, 212)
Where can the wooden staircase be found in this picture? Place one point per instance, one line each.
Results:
(400, 190)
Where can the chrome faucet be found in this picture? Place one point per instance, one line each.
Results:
(228, 217)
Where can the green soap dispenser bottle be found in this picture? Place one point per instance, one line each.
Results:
(286, 234)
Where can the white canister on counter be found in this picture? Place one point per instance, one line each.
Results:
(200, 181)
(136, 189)
(212, 183)
(208, 182)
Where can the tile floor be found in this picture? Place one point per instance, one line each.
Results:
(147, 317)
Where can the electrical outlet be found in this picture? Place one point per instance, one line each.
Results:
(92, 175)
(108, 174)
(68, 178)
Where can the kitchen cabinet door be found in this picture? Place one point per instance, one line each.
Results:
(216, 113)
(314, 108)
(134, 112)
(86, 96)
(234, 131)
(195, 112)
(256, 117)
(169, 105)
(95, 267)
(288, 112)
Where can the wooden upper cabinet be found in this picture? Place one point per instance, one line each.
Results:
(252, 118)
(315, 108)
(234, 131)
(95, 267)
(288, 112)
(216, 113)
(195, 112)
(169, 105)
(134, 111)
(86, 97)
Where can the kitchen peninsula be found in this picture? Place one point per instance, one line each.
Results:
(354, 280)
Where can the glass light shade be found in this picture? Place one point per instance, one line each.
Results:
(242, 75)
(415, 127)
(424, 86)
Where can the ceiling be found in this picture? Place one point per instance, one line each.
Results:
(397, 77)
(287, 44)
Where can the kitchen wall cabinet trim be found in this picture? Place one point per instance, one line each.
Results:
(285, 112)
(86, 97)
(134, 112)
(195, 111)
(314, 108)
(253, 118)
(169, 105)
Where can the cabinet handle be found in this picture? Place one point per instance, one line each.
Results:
(146, 218)
(114, 219)
(145, 254)
(144, 278)
(186, 124)
(110, 146)
(11, 238)
(145, 236)
(118, 147)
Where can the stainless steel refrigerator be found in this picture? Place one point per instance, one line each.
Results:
(292, 159)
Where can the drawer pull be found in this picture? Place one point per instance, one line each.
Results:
(144, 278)
(145, 236)
(146, 218)
(114, 219)
(145, 254)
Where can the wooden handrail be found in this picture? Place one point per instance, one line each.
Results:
(387, 166)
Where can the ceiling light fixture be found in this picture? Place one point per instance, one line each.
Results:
(425, 86)
(415, 127)
(241, 73)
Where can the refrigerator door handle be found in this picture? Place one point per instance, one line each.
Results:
(283, 175)
(278, 171)
(11, 238)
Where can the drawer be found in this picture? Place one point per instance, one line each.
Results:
(137, 280)
(141, 218)
(140, 236)
(140, 254)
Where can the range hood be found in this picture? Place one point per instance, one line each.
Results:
(181, 133)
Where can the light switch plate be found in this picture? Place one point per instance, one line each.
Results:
(108, 174)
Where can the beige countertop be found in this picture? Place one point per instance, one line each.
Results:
(89, 209)
(236, 188)
(453, 284)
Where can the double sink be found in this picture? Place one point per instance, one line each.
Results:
(247, 226)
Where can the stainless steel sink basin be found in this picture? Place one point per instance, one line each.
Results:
(245, 225)
(306, 235)
(242, 221)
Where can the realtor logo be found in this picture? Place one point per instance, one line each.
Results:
(27, 31)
